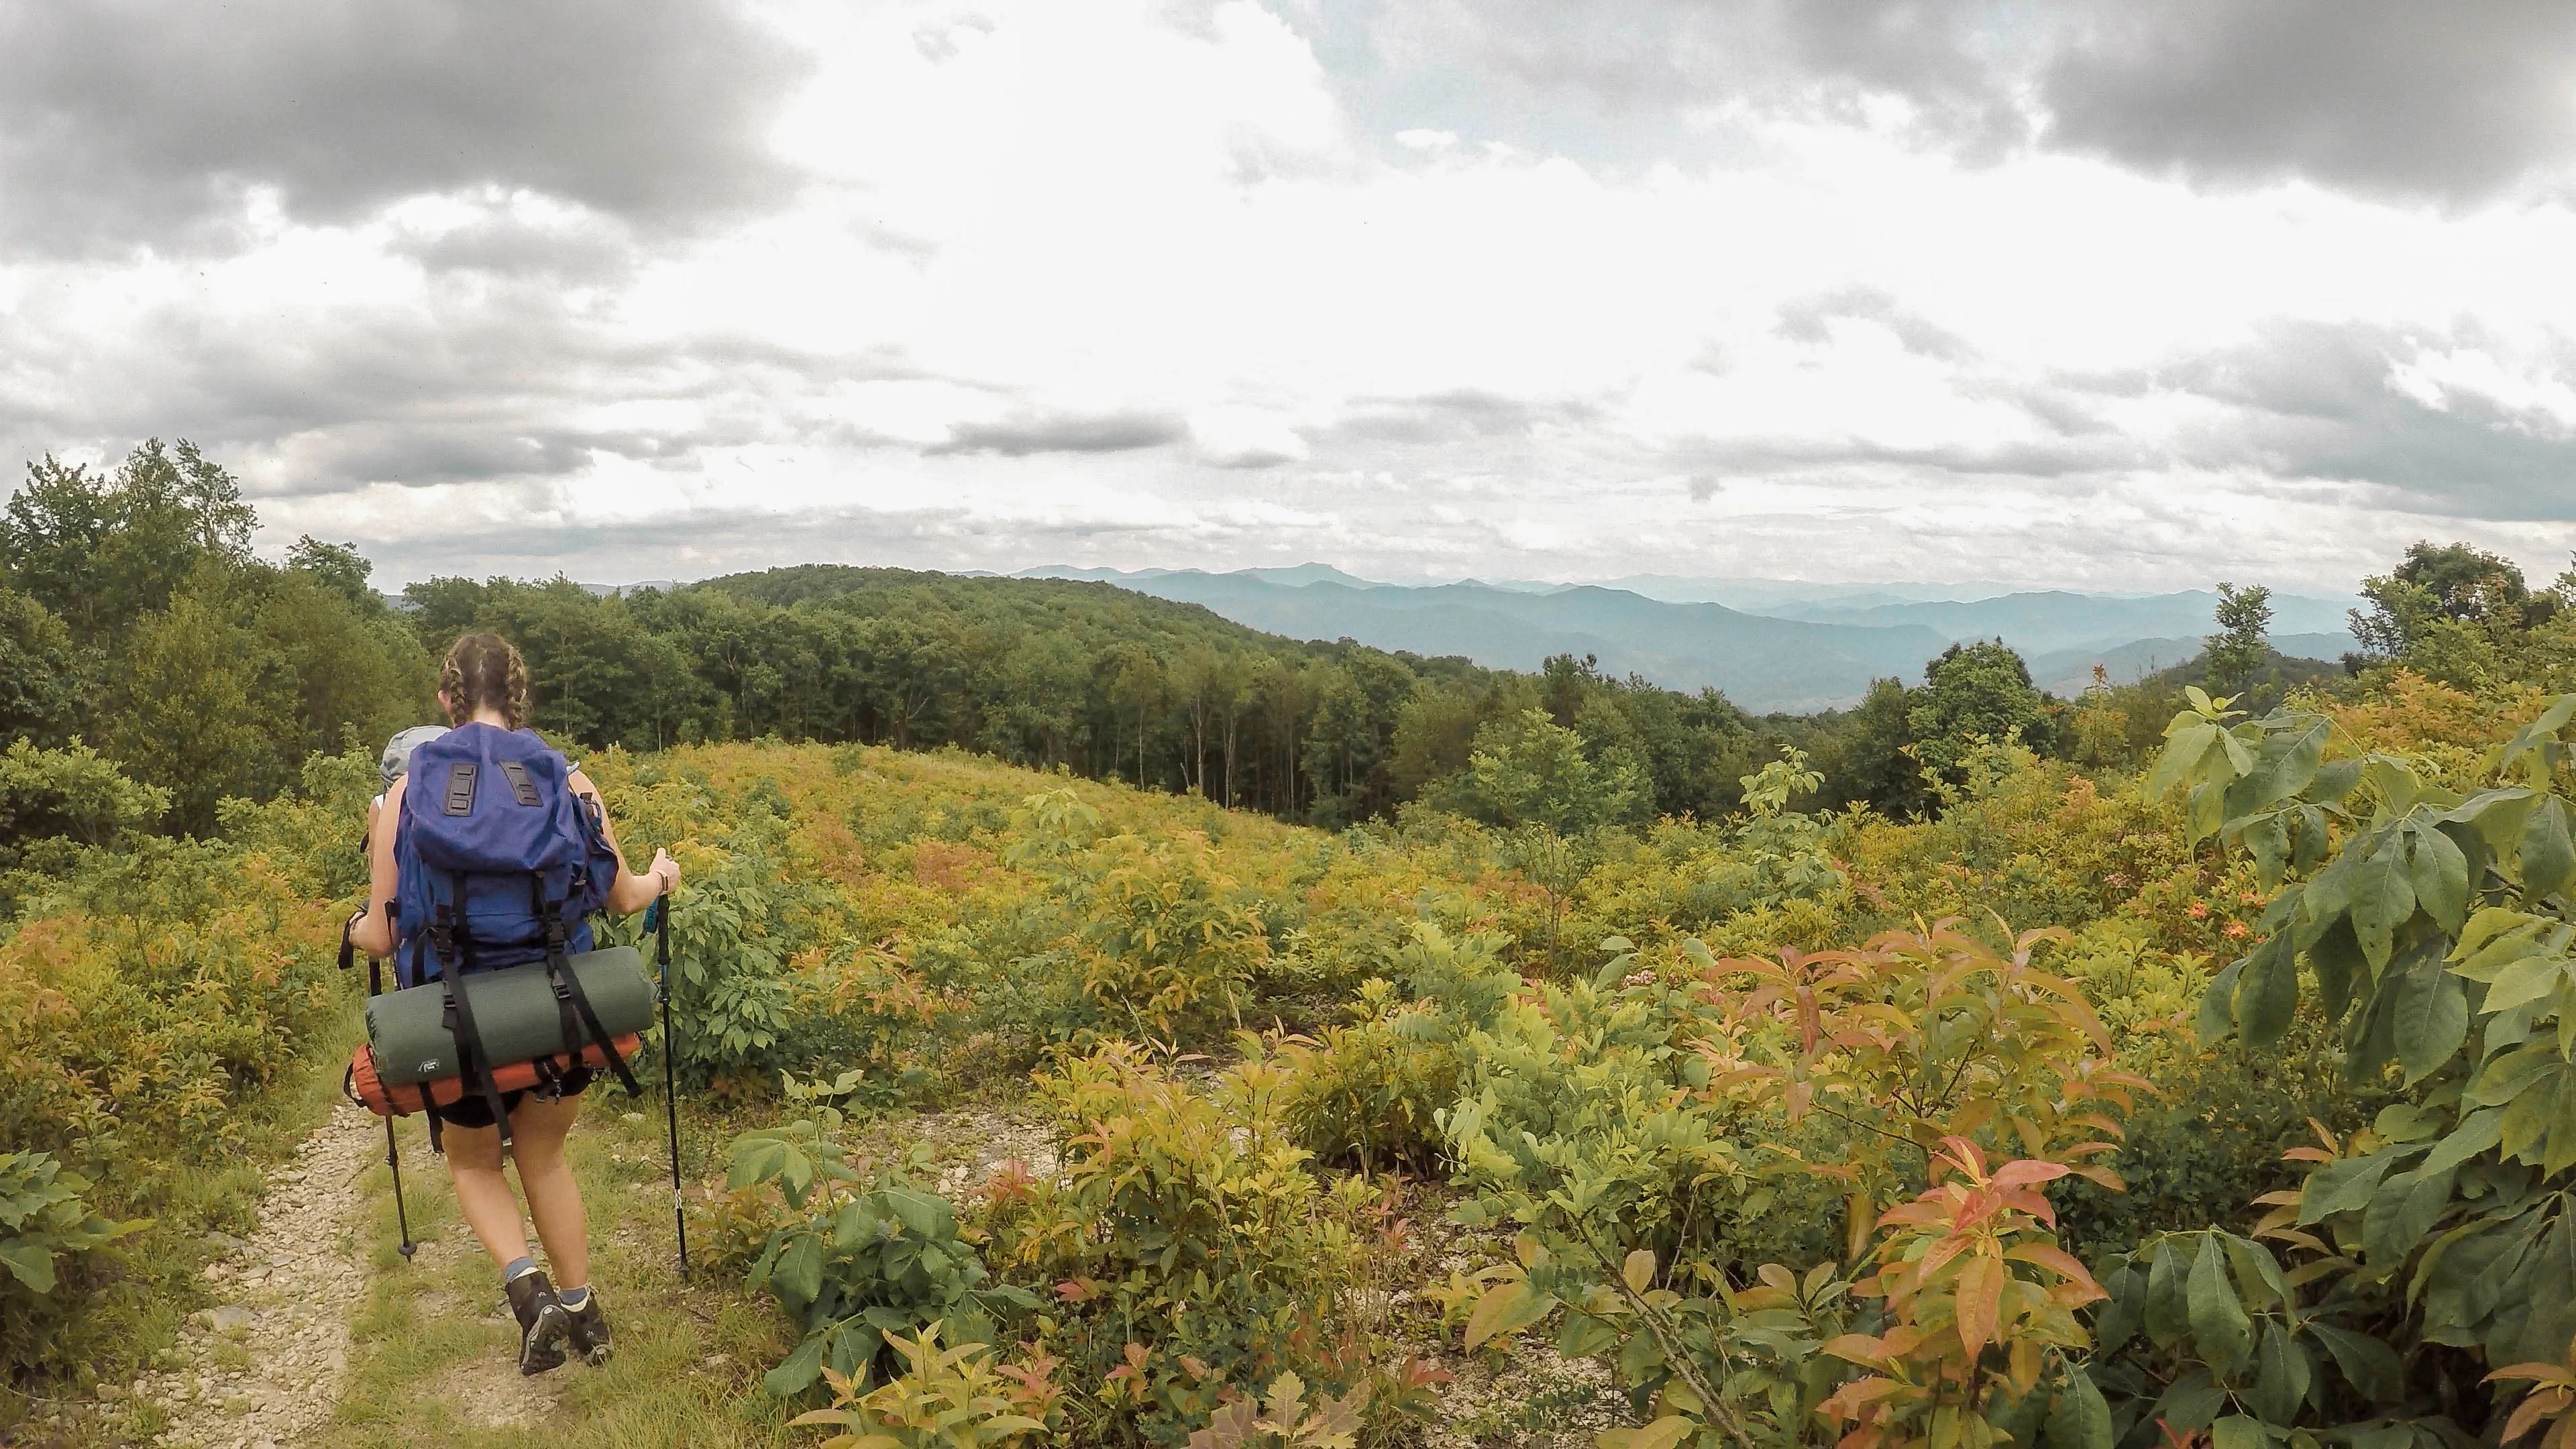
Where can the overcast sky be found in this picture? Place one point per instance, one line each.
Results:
(2096, 295)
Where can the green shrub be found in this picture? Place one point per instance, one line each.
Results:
(42, 1218)
(857, 1261)
(1191, 1249)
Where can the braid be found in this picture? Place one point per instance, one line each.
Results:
(482, 671)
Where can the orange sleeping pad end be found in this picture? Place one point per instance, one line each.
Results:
(387, 1101)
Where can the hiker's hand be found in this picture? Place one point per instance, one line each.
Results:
(665, 872)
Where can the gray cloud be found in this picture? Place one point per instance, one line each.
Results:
(135, 121)
(1804, 321)
(2315, 402)
(2384, 97)
(2380, 96)
(1027, 433)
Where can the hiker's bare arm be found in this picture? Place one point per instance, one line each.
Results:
(374, 932)
(632, 892)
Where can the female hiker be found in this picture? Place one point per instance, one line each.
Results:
(494, 786)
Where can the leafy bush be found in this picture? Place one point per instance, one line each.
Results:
(946, 1398)
(1372, 1091)
(2428, 919)
(858, 1262)
(1601, 1132)
(42, 1218)
(1191, 1249)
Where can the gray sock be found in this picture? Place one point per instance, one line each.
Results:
(519, 1268)
(575, 1299)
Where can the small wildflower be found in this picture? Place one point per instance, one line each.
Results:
(2199, 910)
(1638, 978)
(2234, 928)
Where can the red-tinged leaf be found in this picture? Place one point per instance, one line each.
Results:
(1965, 1155)
(1981, 1286)
(2026, 1172)
(1851, 1398)
(2536, 1372)
(2056, 1260)
(2284, 1198)
(2558, 1435)
(2529, 1412)
(2101, 1176)
(2087, 1149)
(2307, 1154)
(1857, 1348)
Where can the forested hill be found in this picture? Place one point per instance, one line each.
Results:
(135, 617)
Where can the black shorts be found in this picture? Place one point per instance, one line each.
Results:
(474, 1111)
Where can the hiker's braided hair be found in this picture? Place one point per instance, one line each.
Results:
(482, 671)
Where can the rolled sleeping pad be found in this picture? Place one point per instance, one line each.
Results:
(403, 1101)
(514, 1010)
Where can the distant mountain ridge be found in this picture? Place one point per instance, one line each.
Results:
(1787, 647)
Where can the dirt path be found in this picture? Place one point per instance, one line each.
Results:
(262, 1369)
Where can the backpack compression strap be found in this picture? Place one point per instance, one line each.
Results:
(455, 964)
(570, 1000)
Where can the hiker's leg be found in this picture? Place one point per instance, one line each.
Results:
(537, 1133)
(483, 1194)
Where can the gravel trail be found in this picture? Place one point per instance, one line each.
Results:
(262, 1369)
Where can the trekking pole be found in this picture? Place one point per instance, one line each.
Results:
(670, 1074)
(402, 1216)
(393, 1154)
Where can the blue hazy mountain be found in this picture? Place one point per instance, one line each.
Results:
(1781, 646)
(1762, 663)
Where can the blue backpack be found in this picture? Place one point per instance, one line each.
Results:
(497, 862)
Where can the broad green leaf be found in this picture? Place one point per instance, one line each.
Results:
(2258, 1277)
(2508, 1077)
(2237, 1431)
(2440, 877)
(2220, 1330)
(2432, 1018)
(798, 1278)
(2480, 1133)
(2335, 956)
(29, 1262)
(2078, 1417)
(1506, 1307)
(2186, 745)
(2383, 898)
(2268, 996)
(2280, 1376)
(2497, 937)
(2370, 1366)
(2393, 781)
(2168, 1302)
(2390, 1234)
(2528, 979)
(2534, 747)
(2547, 856)
(798, 1372)
(2345, 1184)
(2216, 1019)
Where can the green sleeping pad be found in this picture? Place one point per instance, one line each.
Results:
(515, 1010)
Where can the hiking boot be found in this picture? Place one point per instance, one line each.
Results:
(543, 1323)
(587, 1329)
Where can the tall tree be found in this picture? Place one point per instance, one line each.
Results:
(2243, 641)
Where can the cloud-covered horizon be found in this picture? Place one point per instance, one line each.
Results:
(2090, 296)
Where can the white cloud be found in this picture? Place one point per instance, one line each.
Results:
(1133, 283)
